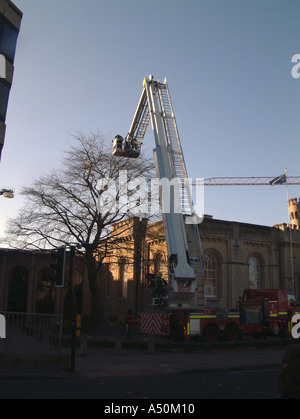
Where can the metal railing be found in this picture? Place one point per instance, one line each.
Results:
(31, 332)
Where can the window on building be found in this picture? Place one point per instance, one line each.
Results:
(254, 273)
(18, 289)
(8, 39)
(123, 277)
(159, 263)
(211, 275)
(4, 94)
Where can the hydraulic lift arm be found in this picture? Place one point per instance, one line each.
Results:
(177, 207)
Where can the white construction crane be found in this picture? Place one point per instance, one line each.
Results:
(250, 181)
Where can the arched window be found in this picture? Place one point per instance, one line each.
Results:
(211, 275)
(17, 289)
(159, 263)
(254, 273)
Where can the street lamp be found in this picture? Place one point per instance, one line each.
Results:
(7, 193)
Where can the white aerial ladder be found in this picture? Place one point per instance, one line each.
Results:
(185, 256)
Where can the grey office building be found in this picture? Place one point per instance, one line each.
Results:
(10, 21)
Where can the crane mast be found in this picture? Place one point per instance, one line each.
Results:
(185, 256)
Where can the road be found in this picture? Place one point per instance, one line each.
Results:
(251, 384)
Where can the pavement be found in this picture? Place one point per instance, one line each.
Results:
(115, 357)
(101, 363)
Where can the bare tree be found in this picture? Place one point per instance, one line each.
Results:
(66, 206)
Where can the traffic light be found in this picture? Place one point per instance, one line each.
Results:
(59, 266)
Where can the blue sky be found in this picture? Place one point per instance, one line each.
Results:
(79, 66)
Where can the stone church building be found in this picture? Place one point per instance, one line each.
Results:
(237, 255)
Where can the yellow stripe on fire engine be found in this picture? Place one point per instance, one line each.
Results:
(233, 316)
(203, 316)
(282, 313)
(273, 314)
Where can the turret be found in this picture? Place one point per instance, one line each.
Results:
(294, 211)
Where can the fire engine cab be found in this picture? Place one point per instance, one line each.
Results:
(268, 311)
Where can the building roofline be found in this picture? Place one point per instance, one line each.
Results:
(210, 219)
(241, 223)
(17, 10)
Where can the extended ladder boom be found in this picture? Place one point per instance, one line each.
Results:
(177, 206)
(141, 119)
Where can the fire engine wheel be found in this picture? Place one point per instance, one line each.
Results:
(210, 334)
(231, 333)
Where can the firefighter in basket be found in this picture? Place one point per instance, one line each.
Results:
(158, 284)
(118, 145)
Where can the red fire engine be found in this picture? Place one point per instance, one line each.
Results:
(260, 311)
(268, 312)
(206, 324)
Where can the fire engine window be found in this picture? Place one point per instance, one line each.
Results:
(254, 273)
(291, 300)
